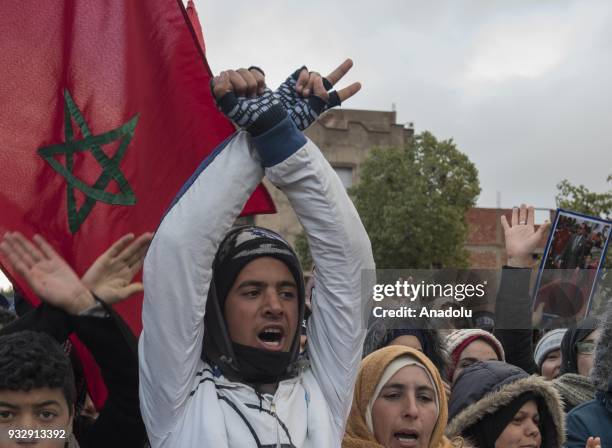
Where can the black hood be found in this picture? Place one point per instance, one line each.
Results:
(382, 331)
(240, 246)
(569, 354)
(484, 388)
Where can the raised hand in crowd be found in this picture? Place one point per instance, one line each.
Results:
(521, 237)
(243, 82)
(593, 442)
(46, 272)
(306, 94)
(303, 95)
(306, 81)
(67, 301)
(110, 276)
(235, 93)
(56, 283)
(513, 304)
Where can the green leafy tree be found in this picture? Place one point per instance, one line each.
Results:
(413, 200)
(581, 199)
(303, 251)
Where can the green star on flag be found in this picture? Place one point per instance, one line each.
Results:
(103, 53)
(110, 165)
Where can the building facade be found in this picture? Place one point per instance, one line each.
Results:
(346, 137)
(485, 241)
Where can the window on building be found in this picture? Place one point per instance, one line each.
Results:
(346, 175)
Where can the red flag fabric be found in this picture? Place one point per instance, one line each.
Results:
(105, 111)
(195, 22)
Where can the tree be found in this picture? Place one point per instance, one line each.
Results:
(582, 200)
(413, 200)
(303, 251)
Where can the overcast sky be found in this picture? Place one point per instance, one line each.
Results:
(522, 87)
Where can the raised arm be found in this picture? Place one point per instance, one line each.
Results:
(339, 243)
(177, 273)
(103, 332)
(341, 252)
(115, 349)
(513, 307)
(109, 278)
(340, 248)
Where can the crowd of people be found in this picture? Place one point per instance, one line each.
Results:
(227, 358)
(577, 244)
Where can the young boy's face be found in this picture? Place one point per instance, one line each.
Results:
(39, 418)
(261, 309)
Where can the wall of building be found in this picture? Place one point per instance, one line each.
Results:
(485, 241)
(346, 137)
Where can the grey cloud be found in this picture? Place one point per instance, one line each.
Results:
(525, 133)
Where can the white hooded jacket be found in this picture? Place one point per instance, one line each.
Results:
(187, 403)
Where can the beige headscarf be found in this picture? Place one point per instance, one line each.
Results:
(371, 372)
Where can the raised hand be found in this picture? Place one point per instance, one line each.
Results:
(306, 81)
(593, 442)
(237, 96)
(305, 94)
(110, 276)
(521, 237)
(46, 272)
(243, 82)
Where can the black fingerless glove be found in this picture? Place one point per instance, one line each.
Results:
(255, 115)
(304, 111)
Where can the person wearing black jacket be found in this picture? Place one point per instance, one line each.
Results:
(69, 305)
(594, 418)
(495, 404)
(513, 325)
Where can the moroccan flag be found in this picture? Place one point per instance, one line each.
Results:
(195, 23)
(105, 111)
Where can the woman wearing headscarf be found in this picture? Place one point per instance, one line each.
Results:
(398, 401)
(577, 349)
(498, 405)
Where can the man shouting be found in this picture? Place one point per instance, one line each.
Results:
(219, 351)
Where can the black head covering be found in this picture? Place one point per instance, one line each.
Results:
(238, 362)
(479, 379)
(486, 431)
(569, 353)
(488, 394)
(384, 330)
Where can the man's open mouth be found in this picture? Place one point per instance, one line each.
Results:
(272, 337)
